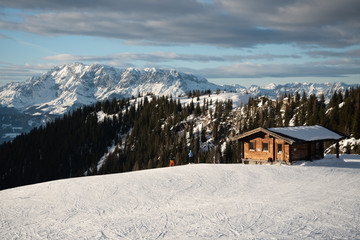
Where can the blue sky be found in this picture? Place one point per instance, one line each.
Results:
(227, 41)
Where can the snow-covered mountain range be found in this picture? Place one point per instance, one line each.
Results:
(273, 90)
(29, 104)
(69, 86)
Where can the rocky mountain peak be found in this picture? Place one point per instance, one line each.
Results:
(68, 86)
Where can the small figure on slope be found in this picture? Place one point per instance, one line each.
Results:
(172, 162)
(191, 157)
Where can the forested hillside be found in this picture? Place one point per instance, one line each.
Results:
(134, 134)
(340, 114)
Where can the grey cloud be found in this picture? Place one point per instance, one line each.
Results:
(153, 7)
(18, 73)
(355, 53)
(167, 56)
(226, 23)
(250, 70)
(3, 36)
(268, 57)
(192, 29)
(321, 22)
(299, 13)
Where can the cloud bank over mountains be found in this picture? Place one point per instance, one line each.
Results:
(228, 23)
(268, 38)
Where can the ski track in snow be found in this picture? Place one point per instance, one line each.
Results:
(197, 201)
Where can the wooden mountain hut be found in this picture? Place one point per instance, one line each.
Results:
(285, 144)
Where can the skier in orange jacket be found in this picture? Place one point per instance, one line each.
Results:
(172, 163)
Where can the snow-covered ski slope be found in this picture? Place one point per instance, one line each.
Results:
(315, 200)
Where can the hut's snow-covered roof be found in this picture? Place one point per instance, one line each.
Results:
(307, 133)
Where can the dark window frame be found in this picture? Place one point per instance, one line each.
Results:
(252, 146)
(265, 149)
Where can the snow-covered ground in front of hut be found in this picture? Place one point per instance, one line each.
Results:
(309, 200)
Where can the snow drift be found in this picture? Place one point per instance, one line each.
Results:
(313, 200)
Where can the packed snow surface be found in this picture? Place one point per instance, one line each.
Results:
(307, 133)
(311, 200)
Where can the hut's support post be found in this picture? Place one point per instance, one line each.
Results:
(337, 149)
(322, 149)
(242, 150)
(274, 150)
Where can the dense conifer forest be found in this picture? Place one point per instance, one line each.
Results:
(146, 132)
